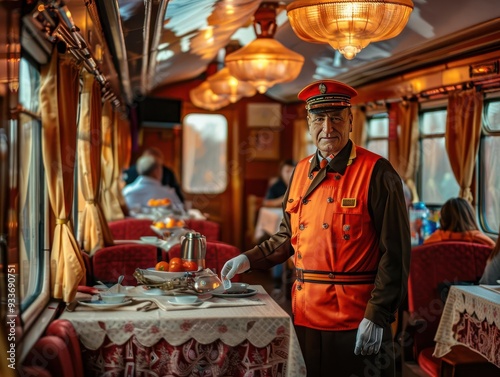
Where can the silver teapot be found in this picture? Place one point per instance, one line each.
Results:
(194, 248)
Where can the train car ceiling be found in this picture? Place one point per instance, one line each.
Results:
(143, 46)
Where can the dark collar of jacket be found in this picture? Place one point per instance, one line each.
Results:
(339, 163)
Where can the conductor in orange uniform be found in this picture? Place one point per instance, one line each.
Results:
(346, 224)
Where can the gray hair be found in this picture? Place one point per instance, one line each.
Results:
(146, 165)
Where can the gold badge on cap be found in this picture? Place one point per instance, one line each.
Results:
(322, 88)
(348, 202)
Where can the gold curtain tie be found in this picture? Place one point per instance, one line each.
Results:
(90, 201)
(62, 221)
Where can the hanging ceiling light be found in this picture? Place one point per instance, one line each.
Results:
(265, 61)
(225, 84)
(203, 97)
(348, 26)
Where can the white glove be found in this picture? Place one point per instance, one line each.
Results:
(368, 338)
(234, 266)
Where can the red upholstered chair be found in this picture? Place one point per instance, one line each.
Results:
(64, 330)
(110, 262)
(433, 268)
(30, 371)
(51, 354)
(217, 254)
(131, 228)
(210, 229)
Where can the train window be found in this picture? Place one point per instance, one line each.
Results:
(204, 153)
(489, 176)
(438, 183)
(377, 139)
(31, 193)
(492, 118)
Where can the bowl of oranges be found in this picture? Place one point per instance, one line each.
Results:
(176, 265)
(161, 202)
(167, 224)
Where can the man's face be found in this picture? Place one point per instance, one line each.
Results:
(330, 130)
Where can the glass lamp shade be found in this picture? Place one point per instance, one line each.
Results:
(223, 83)
(203, 97)
(264, 63)
(348, 26)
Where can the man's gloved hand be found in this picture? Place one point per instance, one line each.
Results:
(369, 338)
(234, 266)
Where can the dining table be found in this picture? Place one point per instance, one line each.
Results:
(242, 335)
(471, 317)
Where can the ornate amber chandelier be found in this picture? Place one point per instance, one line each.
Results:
(265, 61)
(203, 97)
(348, 26)
(223, 83)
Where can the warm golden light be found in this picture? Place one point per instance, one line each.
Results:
(265, 61)
(348, 26)
(224, 84)
(203, 97)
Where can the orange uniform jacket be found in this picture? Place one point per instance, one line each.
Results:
(337, 250)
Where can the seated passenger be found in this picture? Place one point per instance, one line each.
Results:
(275, 193)
(148, 185)
(167, 179)
(491, 274)
(458, 223)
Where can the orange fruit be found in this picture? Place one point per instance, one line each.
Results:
(161, 266)
(176, 267)
(189, 265)
(169, 222)
(180, 223)
(176, 260)
(159, 225)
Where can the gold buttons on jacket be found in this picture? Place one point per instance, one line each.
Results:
(337, 177)
(299, 287)
(305, 201)
(299, 256)
(329, 199)
(325, 226)
(290, 200)
(302, 226)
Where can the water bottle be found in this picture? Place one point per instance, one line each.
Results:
(419, 223)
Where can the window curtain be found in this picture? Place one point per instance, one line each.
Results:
(93, 230)
(109, 201)
(404, 150)
(463, 131)
(26, 130)
(358, 133)
(59, 103)
(122, 147)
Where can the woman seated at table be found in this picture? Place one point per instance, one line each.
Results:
(491, 274)
(275, 192)
(458, 223)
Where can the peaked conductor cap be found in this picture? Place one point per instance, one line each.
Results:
(324, 95)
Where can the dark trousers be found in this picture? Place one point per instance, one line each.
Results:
(331, 354)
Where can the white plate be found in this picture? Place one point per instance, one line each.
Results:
(150, 239)
(101, 305)
(250, 292)
(153, 292)
(173, 302)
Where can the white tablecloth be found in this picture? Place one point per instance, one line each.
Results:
(268, 221)
(471, 317)
(232, 325)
